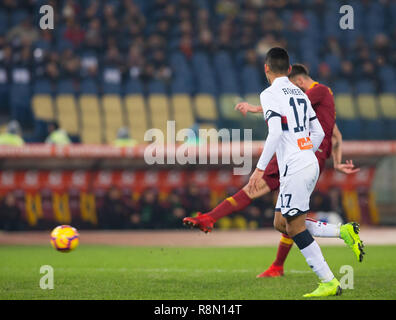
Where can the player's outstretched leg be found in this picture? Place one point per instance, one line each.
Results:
(237, 202)
(348, 232)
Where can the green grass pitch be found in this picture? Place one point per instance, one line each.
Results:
(114, 272)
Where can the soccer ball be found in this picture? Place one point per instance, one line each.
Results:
(64, 238)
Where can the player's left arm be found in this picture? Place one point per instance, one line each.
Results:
(336, 152)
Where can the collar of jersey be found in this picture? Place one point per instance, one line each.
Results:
(313, 85)
(280, 79)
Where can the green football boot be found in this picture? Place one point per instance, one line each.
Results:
(349, 232)
(326, 289)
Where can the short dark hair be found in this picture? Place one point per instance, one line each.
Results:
(298, 69)
(277, 60)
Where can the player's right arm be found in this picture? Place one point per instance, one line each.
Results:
(244, 108)
(273, 118)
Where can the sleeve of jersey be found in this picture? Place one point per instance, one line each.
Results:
(274, 135)
(316, 131)
(273, 118)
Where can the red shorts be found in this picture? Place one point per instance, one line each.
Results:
(271, 173)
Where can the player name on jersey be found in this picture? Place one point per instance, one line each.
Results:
(291, 91)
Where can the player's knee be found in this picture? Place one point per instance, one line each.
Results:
(279, 224)
(294, 229)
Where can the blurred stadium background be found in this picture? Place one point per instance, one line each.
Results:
(134, 64)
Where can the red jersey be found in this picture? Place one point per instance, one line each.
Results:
(322, 101)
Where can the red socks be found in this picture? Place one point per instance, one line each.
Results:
(237, 202)
(284, 247)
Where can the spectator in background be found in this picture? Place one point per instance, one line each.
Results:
(10, 214)
(251, 58)
(264, 44)
(13, 135)
(135, 61)
(186, 46)
(23, 34)
(163, 28)
(149, 210)
(148, 72)
(368, 70)
(347, 71)
(124, 139)
(132, 13)
(203, 20)
(89, 66)
(74, 33)
(112, 31)
(382, 45)
(6, 53)
(205, 41)
(113, 57)
(52, 70)
(169, 13)
(57, 135)
(24, 58)
(114, 213)
(132, 33)
(225, 35)
(70, 9)
(333, 47)
(93, 36)
(70, 64)
(227, 8)
(299, 22)
(92, 10)
(162, 70)
(193, 200)
(270, 22)
(175, 211)
(324, 74)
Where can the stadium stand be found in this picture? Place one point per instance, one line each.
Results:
(113, 116)
(155, 52)
(91, 120)
(136, 115)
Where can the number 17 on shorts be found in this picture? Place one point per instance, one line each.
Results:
(295, 191)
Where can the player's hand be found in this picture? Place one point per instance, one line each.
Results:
(254, 181)
(244, 108)
(347, 168)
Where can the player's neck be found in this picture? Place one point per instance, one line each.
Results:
(271, 77)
